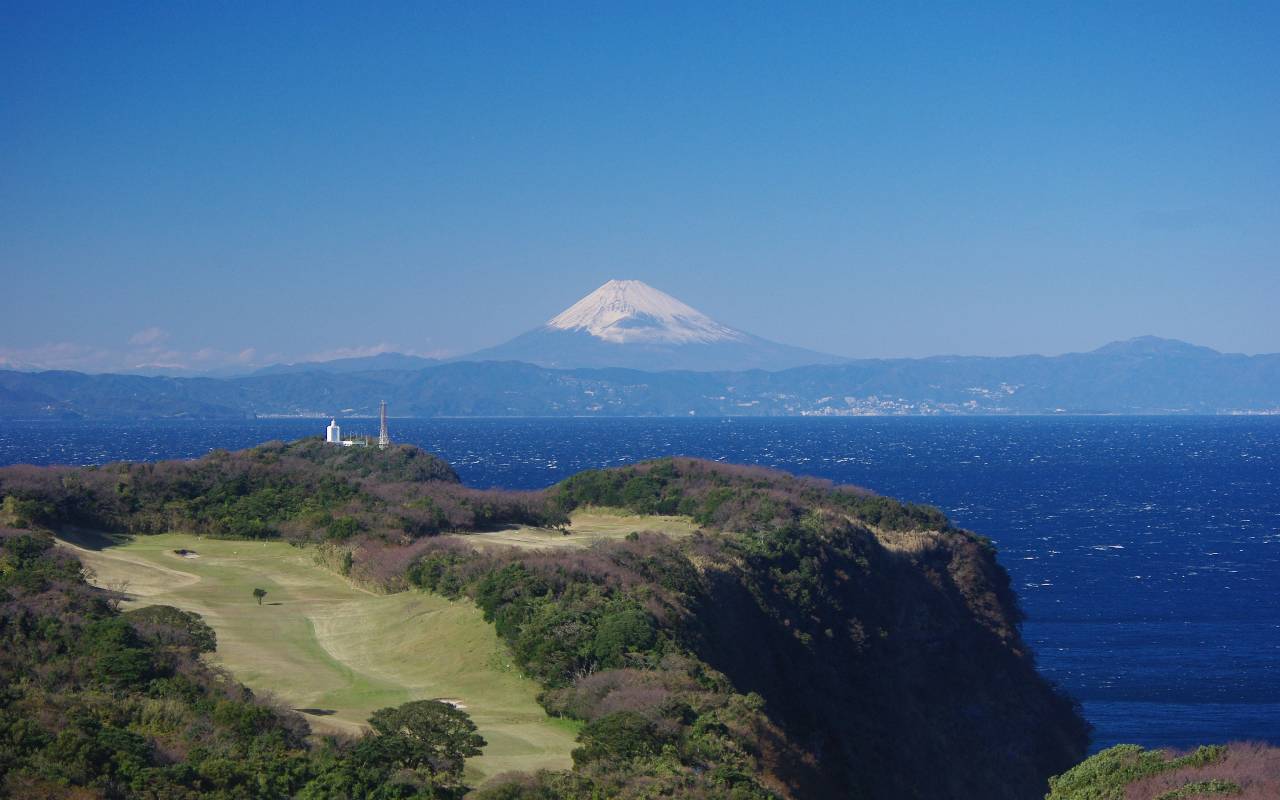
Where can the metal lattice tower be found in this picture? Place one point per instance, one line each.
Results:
(384, 438)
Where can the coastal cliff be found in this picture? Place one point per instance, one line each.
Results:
(805, 641)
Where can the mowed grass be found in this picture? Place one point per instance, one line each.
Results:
(321, 644)
(586, 527)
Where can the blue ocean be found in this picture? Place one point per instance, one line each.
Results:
(1146, 551)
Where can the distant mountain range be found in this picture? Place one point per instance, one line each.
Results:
(382, 361)
(629, 349)
(1147, 375)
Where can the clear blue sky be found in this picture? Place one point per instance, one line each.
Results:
(200, 182)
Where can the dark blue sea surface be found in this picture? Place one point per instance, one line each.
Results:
(1146, 551)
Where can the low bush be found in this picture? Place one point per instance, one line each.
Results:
(1130, 772)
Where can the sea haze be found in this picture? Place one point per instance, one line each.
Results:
(1146, 550)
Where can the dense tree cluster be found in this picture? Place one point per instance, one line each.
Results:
(308, 490)
(304, 490)
(736, 498)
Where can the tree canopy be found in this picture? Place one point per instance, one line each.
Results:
(428, 735)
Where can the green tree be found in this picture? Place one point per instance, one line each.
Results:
(616, 737)
(259, 593)
(167, 625)
(120, 657)
(427, 735)
(22, 513)
(620, 631)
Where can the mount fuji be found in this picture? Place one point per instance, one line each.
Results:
(631, 324)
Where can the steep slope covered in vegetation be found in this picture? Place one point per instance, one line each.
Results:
(878, 637)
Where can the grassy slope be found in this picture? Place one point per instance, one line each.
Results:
(586, 527)
(321, 644)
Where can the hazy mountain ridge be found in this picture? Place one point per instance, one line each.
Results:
(1141, 376)
(380, 361)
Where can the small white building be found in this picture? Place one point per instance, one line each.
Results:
(333, 435)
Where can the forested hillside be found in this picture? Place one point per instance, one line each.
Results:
(810, 641)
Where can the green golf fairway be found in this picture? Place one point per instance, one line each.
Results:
(337, 652)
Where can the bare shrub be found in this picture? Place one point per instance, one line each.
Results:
(385, 564)
(912, 543)
(117, 593)
(650, 693)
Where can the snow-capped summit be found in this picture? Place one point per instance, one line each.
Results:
(631, 324)
(633, 311)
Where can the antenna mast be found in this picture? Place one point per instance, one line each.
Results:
(384, 438)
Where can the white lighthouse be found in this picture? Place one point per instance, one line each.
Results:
(333, 434)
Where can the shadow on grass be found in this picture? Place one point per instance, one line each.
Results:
(91, 540)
